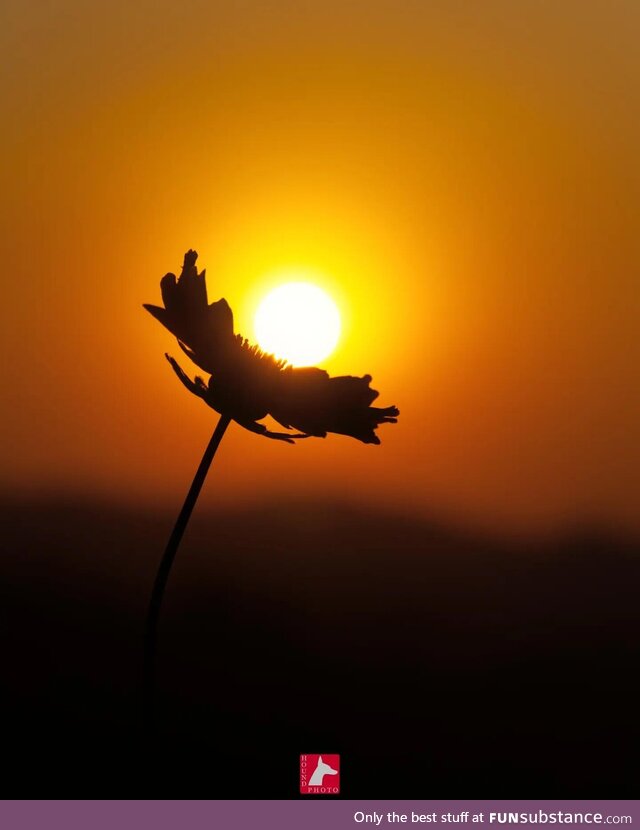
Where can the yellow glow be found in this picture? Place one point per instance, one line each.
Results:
(299, 322)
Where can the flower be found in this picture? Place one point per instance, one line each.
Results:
(246, 384)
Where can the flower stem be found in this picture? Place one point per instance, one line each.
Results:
(151, 631)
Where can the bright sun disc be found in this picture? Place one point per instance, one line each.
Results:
(298, 322)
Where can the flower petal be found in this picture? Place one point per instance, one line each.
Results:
(168, 287)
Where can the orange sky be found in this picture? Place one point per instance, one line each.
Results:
(463, 175)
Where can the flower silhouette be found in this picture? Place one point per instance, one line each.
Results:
(246, 384)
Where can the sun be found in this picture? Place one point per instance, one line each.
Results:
(299, 322)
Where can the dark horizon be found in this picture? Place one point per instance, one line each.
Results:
(214, 501)
(487, 667)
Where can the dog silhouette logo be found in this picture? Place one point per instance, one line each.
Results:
(320, 774)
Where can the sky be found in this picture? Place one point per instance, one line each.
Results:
(462, 178)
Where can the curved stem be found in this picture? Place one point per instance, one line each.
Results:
(151, 630)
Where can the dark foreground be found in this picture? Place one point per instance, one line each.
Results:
(437, 663)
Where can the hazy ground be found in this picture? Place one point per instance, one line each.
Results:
(439, 664)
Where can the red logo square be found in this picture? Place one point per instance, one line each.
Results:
(320, 774)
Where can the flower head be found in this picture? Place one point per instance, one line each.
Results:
(246, 384)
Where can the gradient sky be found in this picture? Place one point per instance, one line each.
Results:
(462, 177)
